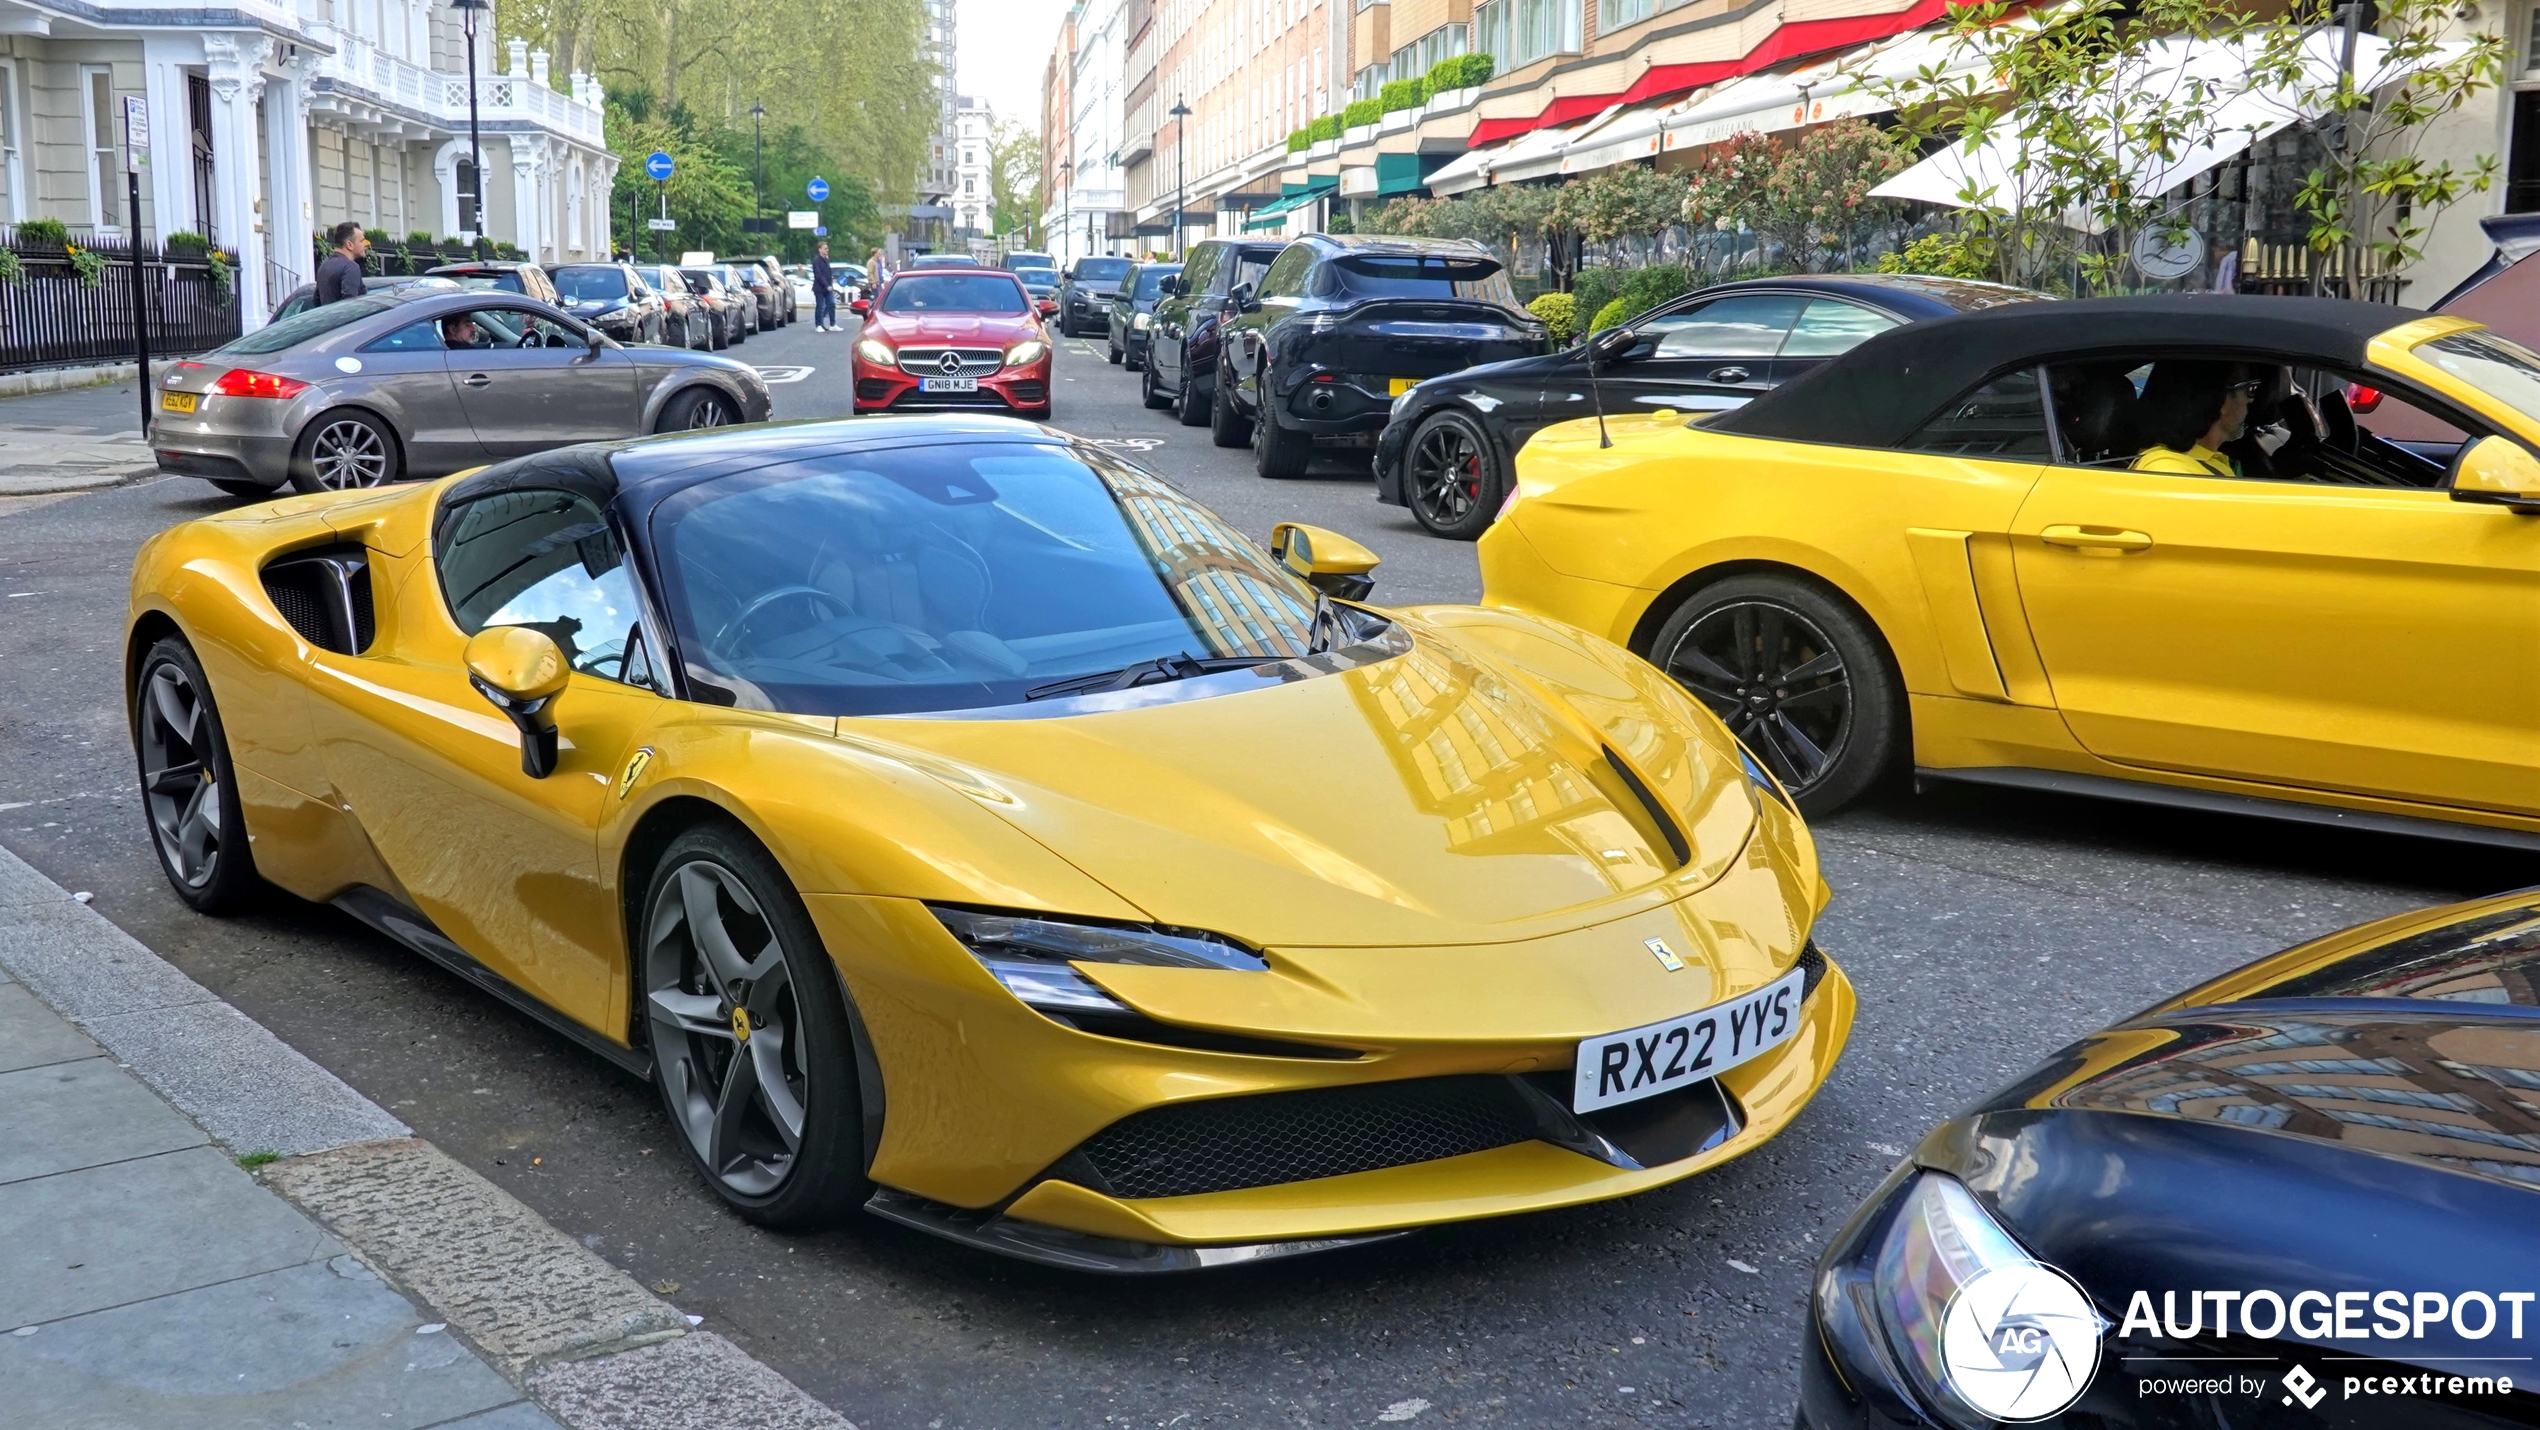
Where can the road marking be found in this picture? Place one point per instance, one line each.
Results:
(784, 373)
(1131, 444)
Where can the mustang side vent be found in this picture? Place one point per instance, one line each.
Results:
(1677, 844)
(324, 593)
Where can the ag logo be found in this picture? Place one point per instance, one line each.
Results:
(2305, 1387)
(2020, 1342)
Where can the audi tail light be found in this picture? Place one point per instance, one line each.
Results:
(247, 382)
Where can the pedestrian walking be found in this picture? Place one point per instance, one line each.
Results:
(340, 276)
(824, 291)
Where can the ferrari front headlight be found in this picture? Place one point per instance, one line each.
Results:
(1025, 353)
(874, 350)
(1033, 957)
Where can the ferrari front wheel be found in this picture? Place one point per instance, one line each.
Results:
(189, 792)
(1798, 675)
(751, 1045)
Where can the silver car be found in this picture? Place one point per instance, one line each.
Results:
(421, 383)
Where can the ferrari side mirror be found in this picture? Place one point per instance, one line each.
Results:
(1330, 562)
(521, 672)
(2498, 470)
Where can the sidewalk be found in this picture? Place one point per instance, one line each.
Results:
(70, 441)
(359, 1277)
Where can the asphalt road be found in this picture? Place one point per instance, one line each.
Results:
(1985, 930)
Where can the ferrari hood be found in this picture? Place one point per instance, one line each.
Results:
(1477, 788)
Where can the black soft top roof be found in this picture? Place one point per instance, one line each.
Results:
(1882, 391)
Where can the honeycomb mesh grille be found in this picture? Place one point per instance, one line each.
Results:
(1225, 1144)
(294, 594)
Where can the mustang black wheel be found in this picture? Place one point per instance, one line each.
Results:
(344, 450)
(188, 790)
(1227, 425)
(1451, 475)
(751, 1048)
(1797, 675)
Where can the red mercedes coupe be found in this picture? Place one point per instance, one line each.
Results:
(952, 338)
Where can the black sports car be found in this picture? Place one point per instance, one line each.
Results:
(1450, 446)
(1133, 311)
(2305, 1193)
(1085, 295)
(1340, 325)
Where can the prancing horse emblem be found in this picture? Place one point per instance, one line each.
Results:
(1666, 956)
(741, 1024)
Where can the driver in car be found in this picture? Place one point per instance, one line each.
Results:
(2188, 411)
(459, 330)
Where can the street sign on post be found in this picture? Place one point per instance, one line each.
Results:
(661, 225)
(802, 218)
(819, 190)
(136, 145)
(657, 166)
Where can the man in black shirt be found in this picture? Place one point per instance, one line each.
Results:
(824, 291)
(340, 276)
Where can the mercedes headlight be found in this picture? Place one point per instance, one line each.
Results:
(1941, 1240)
(874, 350)
(1032, 957)
(1140, 321)
(1025, 353)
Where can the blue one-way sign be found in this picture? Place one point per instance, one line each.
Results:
(819, 189)
(657, 166)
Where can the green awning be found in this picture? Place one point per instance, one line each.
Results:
(1275, 213)
(1311, 188)
(1401, 174)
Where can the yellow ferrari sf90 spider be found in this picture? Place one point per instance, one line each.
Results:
(2271, 555)
(954, 819)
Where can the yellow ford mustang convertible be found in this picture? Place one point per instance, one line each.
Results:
(953, 819)
(2272, 555)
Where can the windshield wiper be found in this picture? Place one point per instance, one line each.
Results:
(1146, 672)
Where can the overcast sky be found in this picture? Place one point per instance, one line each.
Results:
(1003, 45)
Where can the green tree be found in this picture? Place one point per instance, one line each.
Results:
(1014, 181)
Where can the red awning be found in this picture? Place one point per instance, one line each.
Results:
(1787, 42)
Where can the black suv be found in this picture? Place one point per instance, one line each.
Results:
(1133, 311)
(613, 298)
(1314, 354)
(1181, 366)
(1084, 299)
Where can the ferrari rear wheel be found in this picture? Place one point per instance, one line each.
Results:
(189, 792)
(1452, 477)
(751, 1046)
(1797, 675)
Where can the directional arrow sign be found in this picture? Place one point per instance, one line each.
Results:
(657, 165)
(819, 190)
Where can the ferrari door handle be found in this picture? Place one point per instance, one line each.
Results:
(2096, 538)
(1728, 374)
(476, 379)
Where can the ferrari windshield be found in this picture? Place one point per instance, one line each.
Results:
(955, 577)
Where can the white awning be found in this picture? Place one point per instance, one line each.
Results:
(1532, 155)
(1462, 172)
(1989, 174)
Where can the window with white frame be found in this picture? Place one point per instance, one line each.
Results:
(1516, 33)
(12, 162)
(105, 168)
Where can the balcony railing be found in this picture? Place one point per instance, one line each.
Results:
(364, 69)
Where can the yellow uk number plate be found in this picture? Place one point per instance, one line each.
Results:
(1399, 386)
(177, 401)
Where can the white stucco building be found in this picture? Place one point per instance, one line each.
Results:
(272, 121)
(1096, 188)
(973, 200)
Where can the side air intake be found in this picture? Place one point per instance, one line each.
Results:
(325, 595)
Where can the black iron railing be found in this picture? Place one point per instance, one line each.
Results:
(53, 315)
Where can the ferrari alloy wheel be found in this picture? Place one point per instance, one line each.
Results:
(1451, 477)
(342, 451)
(749, 1033)
(1796, 675)
(188, 790)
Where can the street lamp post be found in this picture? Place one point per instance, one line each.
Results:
(468, 11)
(758, 161)
(1180, 112)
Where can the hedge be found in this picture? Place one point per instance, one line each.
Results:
(1560, 312)
(1457, 72)
(1327, 127)
(1402, 94)
(1300, 140)
(1362, 112)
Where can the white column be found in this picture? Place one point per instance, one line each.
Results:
(236, 65)
(524, 195)
(290, 210)
(170, 176)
